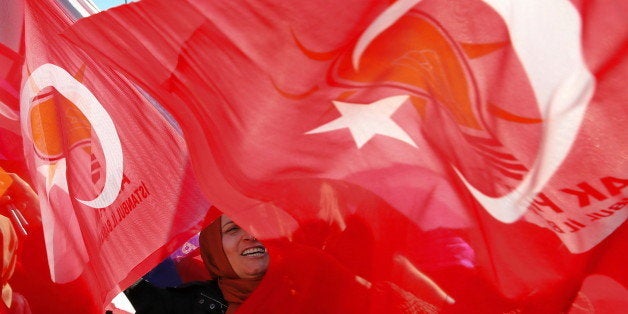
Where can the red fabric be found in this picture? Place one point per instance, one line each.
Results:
(88, 134)
(465, 153)
(191, 267)
(235, 289)
(10, 75)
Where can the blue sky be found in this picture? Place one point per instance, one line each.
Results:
(106, 4)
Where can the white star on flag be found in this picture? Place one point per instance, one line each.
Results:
(55, 175)
(366, 120)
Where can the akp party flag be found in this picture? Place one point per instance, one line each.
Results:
(462, 156)
(111, 170)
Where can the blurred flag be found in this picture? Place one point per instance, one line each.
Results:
(11, 19)
(462, 156)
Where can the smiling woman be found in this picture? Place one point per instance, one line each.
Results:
(236, 262)
(235, 258)
(247, 256)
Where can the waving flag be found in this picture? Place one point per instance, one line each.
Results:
(111, 170)
(460, 156)
(474, 142)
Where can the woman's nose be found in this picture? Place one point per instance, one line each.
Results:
(250, 237)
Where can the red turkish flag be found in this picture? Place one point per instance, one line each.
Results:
(116, 191)
(413, 155)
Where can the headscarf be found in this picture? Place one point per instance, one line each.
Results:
(234, 289)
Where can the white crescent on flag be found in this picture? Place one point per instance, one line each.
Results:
(102, 124)
(546, 37)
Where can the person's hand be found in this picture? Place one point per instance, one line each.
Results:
(19, 202)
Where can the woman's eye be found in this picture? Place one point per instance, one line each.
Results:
(232, 229)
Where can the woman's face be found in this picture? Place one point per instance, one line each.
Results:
(247, 256)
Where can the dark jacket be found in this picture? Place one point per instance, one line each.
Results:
(192, 298)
